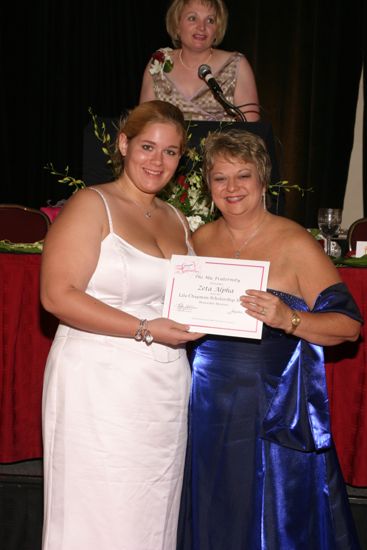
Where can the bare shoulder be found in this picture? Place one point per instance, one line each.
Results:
(222, 56)
(146, 72)
(281, 223)
(83, 212)
(293, 236)
(242, 61)
(204, 237)
(294, 232)
(244, 71)
(306, 253)
(84, 198)
(299, 264)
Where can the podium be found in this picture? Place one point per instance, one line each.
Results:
(96, 170)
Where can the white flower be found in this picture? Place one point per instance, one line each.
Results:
(161, 61)
(202, 209)
(195, 222)
(155, 67)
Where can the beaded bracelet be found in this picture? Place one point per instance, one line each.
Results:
(143, 334)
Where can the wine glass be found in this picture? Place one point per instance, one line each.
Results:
(329, 221)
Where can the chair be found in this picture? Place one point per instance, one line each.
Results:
(357, 232)
(20, 224)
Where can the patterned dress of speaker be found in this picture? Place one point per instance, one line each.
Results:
(202, 105)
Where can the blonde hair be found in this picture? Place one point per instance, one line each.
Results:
(237, 144)
(135, 122)
(174, 12)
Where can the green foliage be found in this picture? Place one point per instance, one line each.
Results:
(275, 188)
(186, 191)
(100, 131)
(65, 178)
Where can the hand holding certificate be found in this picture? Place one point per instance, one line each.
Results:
(204, 293)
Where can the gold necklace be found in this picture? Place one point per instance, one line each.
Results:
(237, 251)
(194, 68)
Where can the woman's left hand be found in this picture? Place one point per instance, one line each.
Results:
(266, 307)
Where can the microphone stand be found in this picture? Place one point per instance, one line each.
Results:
(205, 73)
(231, 109)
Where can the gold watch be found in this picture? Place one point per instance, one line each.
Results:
(295, 321)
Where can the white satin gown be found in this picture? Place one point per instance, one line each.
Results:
(115, 419)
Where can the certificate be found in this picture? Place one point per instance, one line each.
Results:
(205, 292)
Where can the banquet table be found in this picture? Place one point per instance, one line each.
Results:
(346, 375)
(26, 332)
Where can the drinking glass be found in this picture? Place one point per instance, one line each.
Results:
(329, 220)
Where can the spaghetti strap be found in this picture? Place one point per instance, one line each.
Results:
(106, 206)
(187, 237)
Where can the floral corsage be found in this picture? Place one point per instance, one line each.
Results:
(161, 61)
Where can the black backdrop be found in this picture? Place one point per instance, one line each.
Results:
(57, 58)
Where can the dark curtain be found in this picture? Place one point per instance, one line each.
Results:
(57, 59)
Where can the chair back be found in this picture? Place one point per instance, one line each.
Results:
(20, 224)
(357, 232)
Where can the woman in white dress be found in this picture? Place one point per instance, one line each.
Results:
(117, 378)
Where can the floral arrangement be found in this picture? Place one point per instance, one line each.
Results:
(186, 191)
(161, 61)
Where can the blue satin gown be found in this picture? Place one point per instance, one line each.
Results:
(261, 470)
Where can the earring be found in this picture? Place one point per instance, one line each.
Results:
(264, 200)
(212, 208)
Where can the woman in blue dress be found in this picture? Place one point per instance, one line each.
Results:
(262, 472)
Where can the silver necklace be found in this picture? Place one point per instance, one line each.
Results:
(147, 213)
(238, 250)
(193, 68)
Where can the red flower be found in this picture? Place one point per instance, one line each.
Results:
(159, 56)
(183, 197)
(161, 61)
(181, 180)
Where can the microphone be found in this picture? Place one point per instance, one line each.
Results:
(205, 73)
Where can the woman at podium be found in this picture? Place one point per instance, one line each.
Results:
(196, 76)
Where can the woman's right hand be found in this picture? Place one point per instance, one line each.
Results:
(168, 332)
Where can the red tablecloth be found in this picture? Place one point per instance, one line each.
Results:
(346, 372)
(26, 333)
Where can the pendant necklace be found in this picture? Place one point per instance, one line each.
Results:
(194, 68)
(238, 250)
(147, 213)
